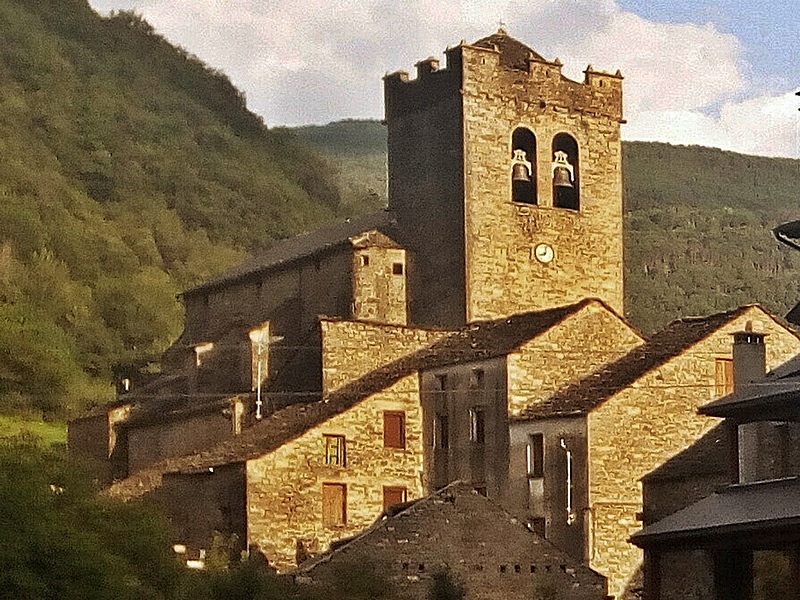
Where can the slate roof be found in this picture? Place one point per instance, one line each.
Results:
(513, 53)
(775, 397)
(789, 234)
(709, 455)
(301, 246)
(587, 394)
(485, 547)
(737, 510)
(478, 341)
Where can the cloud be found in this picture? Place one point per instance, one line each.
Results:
(765, 125)
(317, 61)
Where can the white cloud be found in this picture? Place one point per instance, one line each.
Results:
(316, 61)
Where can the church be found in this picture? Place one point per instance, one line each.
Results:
(473, 331)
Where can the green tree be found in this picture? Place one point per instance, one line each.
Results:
(62, 541)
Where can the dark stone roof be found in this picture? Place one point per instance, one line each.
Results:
(513, 53)
(789, 234)
(775, 397)
(301, 246)
(738, 510)
(709, 455)
(590, 392)
(479, 341)
(793, 316)
(481, 544)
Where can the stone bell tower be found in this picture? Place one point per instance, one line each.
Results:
(505, 177)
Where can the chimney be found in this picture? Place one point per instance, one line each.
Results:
(749, 357)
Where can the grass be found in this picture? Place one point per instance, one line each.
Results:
(48, 433)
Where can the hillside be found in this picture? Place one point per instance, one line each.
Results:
(132, 171)
(129, 171)
(697, 222)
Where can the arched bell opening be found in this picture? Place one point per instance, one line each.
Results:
(523, 166)
(566, 172)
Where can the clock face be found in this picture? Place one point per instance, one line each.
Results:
(544, 253)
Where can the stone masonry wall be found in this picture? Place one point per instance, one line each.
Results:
(351, 349)
(154, 442)
(503, 274)
(379, 292)
(284, 487)
(641, 427)
(426, 189)
(572, 349)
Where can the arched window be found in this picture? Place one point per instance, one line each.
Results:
(523, 166)
(566, 172)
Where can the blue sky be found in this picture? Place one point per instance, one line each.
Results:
(719, 74)
(769, 32)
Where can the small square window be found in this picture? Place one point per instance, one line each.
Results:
(365, 260)
(394, 429)
(397, 268)
(334, 450)
(477, 379)
(477, 425)
(393, 495)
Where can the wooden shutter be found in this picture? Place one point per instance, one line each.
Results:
(394, 429)
(334, 504)
(723, 376)
(393, 495)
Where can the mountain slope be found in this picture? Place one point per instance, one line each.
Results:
(129, 171)
(697, 222)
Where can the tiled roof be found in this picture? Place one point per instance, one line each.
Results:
(478, 341)
(301, 246)
(513, 53)
(739, 509)
(709, 455)
(590, 392)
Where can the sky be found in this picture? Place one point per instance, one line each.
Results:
(715, 73)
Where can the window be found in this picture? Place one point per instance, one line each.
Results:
(477, 379)
(334, 505)
(441, 383)
(397, 268)
(394, 429)
(723, 376)
(334, 450)
(536, 455)
(537, 525)
(441, 432)
(393, 495)
(565, 172)
(365, 260)
(477, 425)
(523, 166)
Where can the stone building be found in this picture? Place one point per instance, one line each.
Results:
(579, 454)
(457, 531)
(730, 530)
(472, 331)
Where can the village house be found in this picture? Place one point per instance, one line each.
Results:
(721, 518)
(473, 331)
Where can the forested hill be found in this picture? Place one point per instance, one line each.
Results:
(128, 171)
(697, 222)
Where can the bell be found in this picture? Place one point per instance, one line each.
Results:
(561, 177)
(519, 172)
